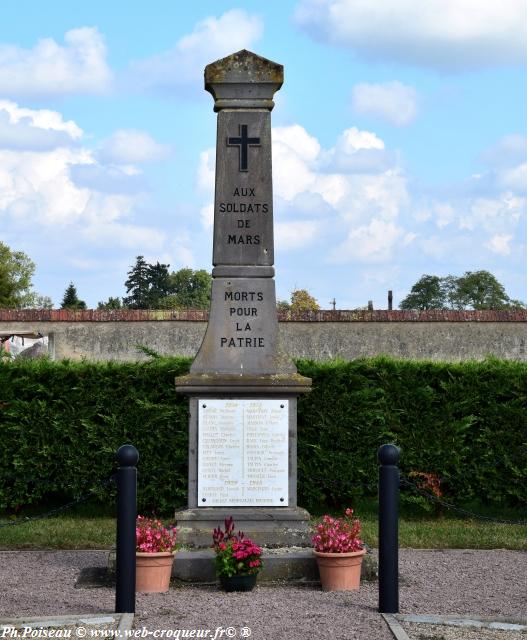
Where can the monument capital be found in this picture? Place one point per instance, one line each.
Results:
(243, 80)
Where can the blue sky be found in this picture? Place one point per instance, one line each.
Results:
(399, 140)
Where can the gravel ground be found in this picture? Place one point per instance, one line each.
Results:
(441, 582)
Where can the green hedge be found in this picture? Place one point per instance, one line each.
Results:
(61, 422)
(466, 422)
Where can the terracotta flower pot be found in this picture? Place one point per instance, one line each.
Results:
(340, 571)
(153, 571)
(238, 583)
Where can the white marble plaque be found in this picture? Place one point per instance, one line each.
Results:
(243, 453)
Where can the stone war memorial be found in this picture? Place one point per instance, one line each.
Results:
(242, 387)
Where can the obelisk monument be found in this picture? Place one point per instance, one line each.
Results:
(243, 388)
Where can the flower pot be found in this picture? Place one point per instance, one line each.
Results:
(340, 571)
(238, 583)
(153, 571)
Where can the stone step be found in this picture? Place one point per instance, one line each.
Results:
(293, 564)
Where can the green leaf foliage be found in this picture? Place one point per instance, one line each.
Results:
(466, 422)
(62, 422)
(16, 272)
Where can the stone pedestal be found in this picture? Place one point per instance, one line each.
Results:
(248, 465)
(270, 527)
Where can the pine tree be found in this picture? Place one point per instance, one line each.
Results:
(71, 300)
(147, 284)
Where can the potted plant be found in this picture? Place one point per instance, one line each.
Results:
(155, 545)
(237, 558)
(339, 552)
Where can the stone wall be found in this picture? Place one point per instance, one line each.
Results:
(434, 335)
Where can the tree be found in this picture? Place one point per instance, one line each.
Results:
(189, 290)
(427, 293)
(301, 300)
(473, 290)
(16, 271)
(147, 285)
(43, 302)
(481, 290)
(110, 304)
(71, 300)
(283, 306)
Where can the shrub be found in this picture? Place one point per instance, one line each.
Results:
(62, 422)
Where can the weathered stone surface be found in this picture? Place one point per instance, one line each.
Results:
(243, 80)
(240, 364)
(351, 335)
(243, 210)
(242, 334)
(290, 564)
(268, 526)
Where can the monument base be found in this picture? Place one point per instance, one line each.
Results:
(291, 564)
(266, 526)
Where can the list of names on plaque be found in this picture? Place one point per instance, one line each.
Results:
(243, 453)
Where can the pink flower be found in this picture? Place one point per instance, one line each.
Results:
(152, 536)
(338, 535)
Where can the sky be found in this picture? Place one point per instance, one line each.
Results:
(399, 140)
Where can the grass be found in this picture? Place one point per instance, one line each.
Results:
(93, 527)
(452, 533)
(61, 532)
(419, 529)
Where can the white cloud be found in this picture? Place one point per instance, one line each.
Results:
(206, 214)
(315, 192)
(40, 119)
(514, 178)
(295, 235)
(205, 181)
(442, 34)
(30, 129)
(509, 150)
(108, 178)
(499, 244)
(52, 69)
(101, 233)
(184, 256)
(132, 146)
(63, 188)
(180, 69)
(445, 214)
(294, 159)
(374, 242)
(353, 140)
(493, 214)
(301, 166)
(372, 216)
(358, 151)
(394, 102)
(206, 171)
(298, 142)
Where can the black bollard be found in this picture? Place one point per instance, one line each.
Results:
(388, 456)
(127, 457)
